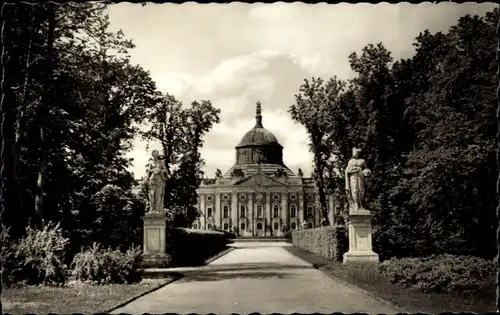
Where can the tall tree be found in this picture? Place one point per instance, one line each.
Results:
(180, 131)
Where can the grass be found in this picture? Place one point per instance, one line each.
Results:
(76, 298)
(367, 278)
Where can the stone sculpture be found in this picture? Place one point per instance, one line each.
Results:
(356, 173)
(157, 178)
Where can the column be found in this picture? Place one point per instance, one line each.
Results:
(250, 214)
(217, 210)
(267, 211)
(300, 206)
(234, 209)
(203, 210)
(285, 215)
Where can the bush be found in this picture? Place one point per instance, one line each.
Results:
(97, 265)
(40, 257)
(439, 273)
(190, 247)
(8, 259)
(329, 241)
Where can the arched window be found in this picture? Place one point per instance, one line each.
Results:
(242, 227)
(209, 212)
(294, 226)
(243, 210)
(309, 211)
(276, 226)
(259, 211)
(226, 211)
(293, 211)
(226, 226)
(259, 226)
(276, 211)
(309, 225)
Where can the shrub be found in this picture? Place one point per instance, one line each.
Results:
(439, 273)
(40, 257)
(190, 247)
(288, 234)
(97, 265)
(8, 259)
(329, 241)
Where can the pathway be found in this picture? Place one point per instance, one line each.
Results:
(252, 278)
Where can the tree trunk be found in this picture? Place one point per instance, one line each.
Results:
(19, 125)
(42, 115)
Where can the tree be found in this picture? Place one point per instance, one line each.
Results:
(426, 125)
(309, 110)
(180, 131)
(74, 101)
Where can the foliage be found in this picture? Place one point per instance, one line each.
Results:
(180, 131)
(98, 265)
(439, 273)
(76, 102)
(118, 222)
(329, 241)
(427, 129)
(39, 257)
(189, 247)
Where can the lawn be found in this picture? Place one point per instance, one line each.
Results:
(76, 298)
(367, 278)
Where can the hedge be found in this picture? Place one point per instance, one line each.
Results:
(189, 247)
(440, 273)
(328, 241)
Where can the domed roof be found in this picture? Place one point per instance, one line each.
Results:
(258, 135)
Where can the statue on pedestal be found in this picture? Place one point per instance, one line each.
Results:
(356, 173)
(156, 178)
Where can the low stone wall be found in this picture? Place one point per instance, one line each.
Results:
(188, 247)
(329, 241)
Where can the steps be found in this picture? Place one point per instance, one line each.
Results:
(261, 239)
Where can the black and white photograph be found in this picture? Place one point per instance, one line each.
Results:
(249, 158)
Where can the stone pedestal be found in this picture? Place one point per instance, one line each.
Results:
(154, 246)
(360, 238)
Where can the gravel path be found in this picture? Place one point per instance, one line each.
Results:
(265, 279)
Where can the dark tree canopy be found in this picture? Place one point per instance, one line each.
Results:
(427, 127)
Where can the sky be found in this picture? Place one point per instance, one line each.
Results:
(237, 54)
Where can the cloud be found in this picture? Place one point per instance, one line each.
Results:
(237, 54)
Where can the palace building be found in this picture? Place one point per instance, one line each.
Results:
(259, 195)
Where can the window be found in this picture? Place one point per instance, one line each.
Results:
(309, 197)
(226, 211)
(293, 197)
(309, 225)
(309, 211)
(293, 211)
(195, 226)
(259, 226)
(209, 212)
(209, 226)
(276, 196)
(276, 226)
(243, 211)
(294, 226)
(276, 211)
(242, 226)
(209, 198)
(226, 226)
(259, 211)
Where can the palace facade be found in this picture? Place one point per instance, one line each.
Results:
(259, 195)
